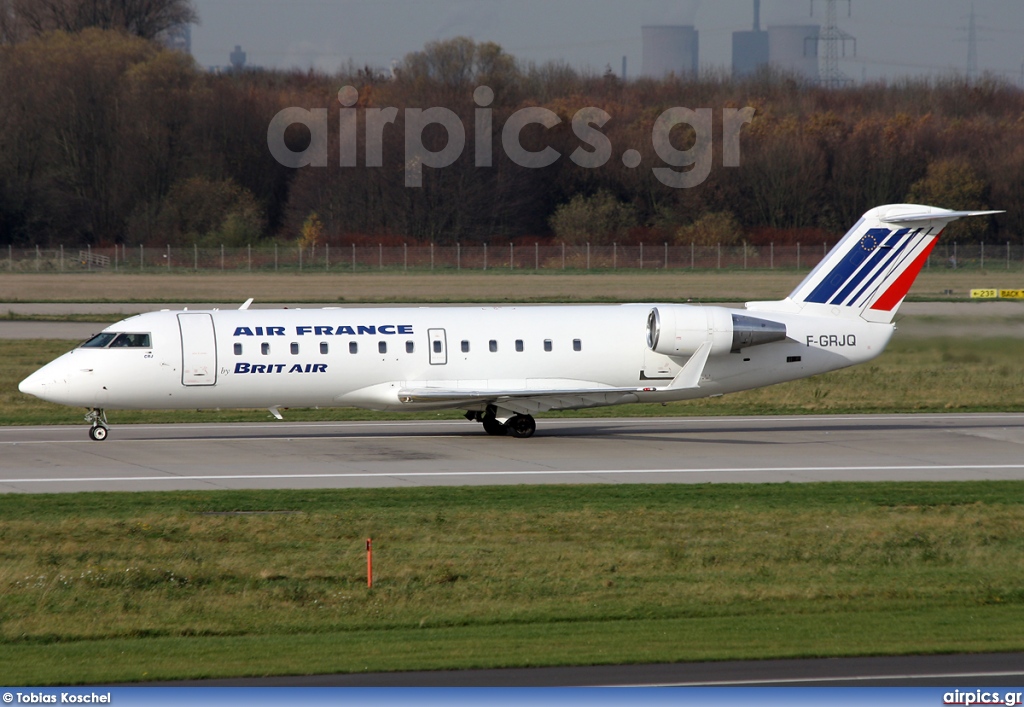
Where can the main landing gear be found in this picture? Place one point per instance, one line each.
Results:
(97, 417)
(519, 426)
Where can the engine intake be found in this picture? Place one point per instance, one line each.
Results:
(680, 330)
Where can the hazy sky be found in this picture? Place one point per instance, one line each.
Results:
(894, 37)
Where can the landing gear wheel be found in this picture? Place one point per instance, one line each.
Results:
(522, 426)
(97, 417)
(493, 427)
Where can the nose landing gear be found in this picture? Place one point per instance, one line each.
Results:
(97, 417)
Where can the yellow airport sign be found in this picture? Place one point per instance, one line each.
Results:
(992, 293)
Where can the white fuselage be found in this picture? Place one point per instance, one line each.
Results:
(306, 358)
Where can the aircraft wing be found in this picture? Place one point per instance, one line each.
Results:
(523, 401)
(528, 400)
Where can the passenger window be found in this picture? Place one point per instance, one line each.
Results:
(353, 347)
(577, 345)
(519, 345)
(382, 346)
(465, 347)
(295, 348)
(238, 349)
(323, 347)
(493, 346)
(410, 347)
(264, 348)
(547, 344)
(437, 347)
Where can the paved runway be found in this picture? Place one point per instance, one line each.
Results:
(406, 454)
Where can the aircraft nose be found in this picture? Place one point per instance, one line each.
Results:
(33, 385)
(46, 384)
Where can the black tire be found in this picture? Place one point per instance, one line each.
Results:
(522, 426)
(98, 433)
(493, 427)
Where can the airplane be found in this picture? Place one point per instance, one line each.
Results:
(503, 364)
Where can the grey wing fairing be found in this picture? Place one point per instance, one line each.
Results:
(522, 401)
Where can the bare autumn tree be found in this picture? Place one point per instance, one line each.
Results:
(953, 184)
(783, 174)
(92, 127)
(142, 18)
(11, 28)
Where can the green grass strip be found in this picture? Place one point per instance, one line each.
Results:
(828, 634)
(101, 587)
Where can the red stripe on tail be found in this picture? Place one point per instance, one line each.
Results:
(899, 289)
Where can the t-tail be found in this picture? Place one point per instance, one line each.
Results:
(869, 272)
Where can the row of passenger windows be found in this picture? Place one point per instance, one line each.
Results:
(410, 347)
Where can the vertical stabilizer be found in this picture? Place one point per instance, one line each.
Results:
(870, 271)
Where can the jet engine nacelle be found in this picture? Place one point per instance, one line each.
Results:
(680, 330)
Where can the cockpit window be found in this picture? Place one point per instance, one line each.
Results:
(99, 341)
(132, 341)
(114, 340)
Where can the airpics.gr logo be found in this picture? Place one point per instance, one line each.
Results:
(586, 124)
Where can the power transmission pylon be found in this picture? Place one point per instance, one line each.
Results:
(972, 47)
(835, 41)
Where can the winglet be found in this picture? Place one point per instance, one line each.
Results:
(245, 305)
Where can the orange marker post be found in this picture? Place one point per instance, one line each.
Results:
(369, 562)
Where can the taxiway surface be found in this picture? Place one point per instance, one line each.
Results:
(456, 452)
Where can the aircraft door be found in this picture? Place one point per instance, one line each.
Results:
(438, 347)
(198, 349)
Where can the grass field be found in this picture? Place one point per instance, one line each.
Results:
(913, 375)
(466, 286)
(122, 587)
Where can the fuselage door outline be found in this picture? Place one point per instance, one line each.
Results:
(438, 347)
(198, 349)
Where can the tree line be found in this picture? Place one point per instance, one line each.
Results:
(106, 137)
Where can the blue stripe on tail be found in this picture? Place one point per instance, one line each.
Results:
(884, 252)
(853, 259)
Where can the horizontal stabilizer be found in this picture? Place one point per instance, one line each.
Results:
(941, 216)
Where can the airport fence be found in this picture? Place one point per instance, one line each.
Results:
(505, 257)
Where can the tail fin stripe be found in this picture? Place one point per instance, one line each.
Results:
(882, 254)
(899, 289)
(846, 267)
(893, 262)
(893, 252)
(897, 266)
